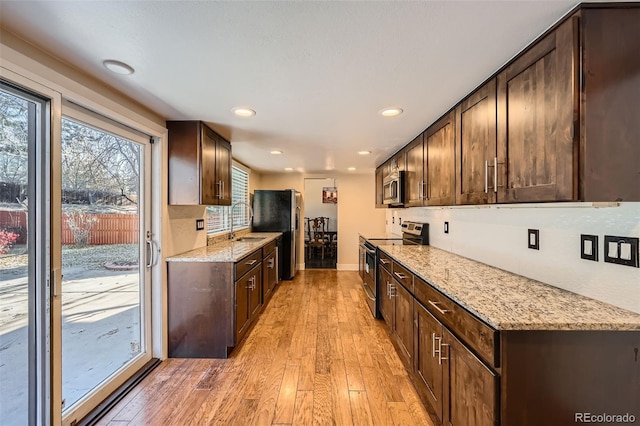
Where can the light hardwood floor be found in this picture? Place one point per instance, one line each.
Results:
(315, 356)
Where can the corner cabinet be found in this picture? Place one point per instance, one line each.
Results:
(199, 165)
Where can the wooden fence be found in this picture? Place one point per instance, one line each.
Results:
(107, 228)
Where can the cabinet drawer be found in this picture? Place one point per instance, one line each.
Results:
(385, 261)
(475, 333)
(268, 248)
(403, 276)
(242, 266)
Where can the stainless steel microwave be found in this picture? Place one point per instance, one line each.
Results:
(393, 188)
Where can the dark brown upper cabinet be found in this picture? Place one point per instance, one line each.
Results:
(537, 109)
(415, 174)
(440, 153)
(430, 176)
(557, 123)
(476, 147)
(199, 165)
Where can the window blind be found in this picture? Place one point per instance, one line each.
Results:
(218, 216)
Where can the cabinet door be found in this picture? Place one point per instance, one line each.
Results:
(476, 147)
(269, 276)
(255, 290)
(379, 188)
(428, 333)
(243, 315)
(473, 388)
(223, 171)
(403, 322)
(440, 149)
(383, 295)
(208, 167)
(537, 106)
(414, 176)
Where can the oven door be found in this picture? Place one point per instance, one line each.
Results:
(369, 276)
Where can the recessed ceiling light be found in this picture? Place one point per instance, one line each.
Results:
(276, 152)
(289, 169)
(243, 112)
(118, 67)
(390, 112)
(351, 169)
(364, 152)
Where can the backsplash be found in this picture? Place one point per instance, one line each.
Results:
(497, 235)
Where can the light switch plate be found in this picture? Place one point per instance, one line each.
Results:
(621, 250)
(589, 247)
(533, 241)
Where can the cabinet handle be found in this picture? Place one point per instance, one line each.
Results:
(435, 305)
(222, 190)
(495, 174)
(251, 262)
(400, 275)
(486, 176)
(433, 345)
(421, 190)
(384, 261)
(440, 357)
(392, 292)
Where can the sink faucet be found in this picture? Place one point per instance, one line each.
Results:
(232, 235)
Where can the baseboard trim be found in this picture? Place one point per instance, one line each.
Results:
(347, 266)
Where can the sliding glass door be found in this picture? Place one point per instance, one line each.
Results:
(105, 258)
(24, 258)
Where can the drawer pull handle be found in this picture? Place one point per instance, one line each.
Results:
(400, 275)
(439, 309)
(384, 261)
(440, 357)
(251, 262)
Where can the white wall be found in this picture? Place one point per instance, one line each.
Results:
(497, 236)
(356, 211)
(313, 205)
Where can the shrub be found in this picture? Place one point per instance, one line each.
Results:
(81, 224)
(7, 239)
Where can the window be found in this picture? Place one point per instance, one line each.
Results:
(218, 216)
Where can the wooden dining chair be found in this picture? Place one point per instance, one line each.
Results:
(317, 234)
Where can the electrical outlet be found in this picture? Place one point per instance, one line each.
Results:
(199, 224)
(589, 247)
(446, 227)
(534, 239)
(621, 250)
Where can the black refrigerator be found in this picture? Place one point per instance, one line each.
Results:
(279, 211)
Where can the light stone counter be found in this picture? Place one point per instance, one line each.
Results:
(226, 251)
(507, 301)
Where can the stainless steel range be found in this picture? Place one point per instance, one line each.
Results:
(413, 233)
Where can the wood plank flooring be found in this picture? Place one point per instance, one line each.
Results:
(315, 356)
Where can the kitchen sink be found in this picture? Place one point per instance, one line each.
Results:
(249, 239)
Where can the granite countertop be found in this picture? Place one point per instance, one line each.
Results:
(383, 236)
(507, 301)
(226, 251)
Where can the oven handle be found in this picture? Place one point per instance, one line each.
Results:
(366, 291)
(372, 252)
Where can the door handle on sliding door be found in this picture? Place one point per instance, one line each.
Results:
(152, 253)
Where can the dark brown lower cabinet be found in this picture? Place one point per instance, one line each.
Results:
(471, 388)
(427, 366)
(269, 275)
(396, 307)
(212, 305)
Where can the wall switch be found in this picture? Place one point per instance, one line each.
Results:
(199, 224)
(621, 250)
(446, 227)
(534, 239)
(589, 247)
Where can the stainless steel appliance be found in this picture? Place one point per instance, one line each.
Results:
(393, 188)
(279, 211)
(413, 233)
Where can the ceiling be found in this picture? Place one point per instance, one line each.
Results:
(316, 73)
